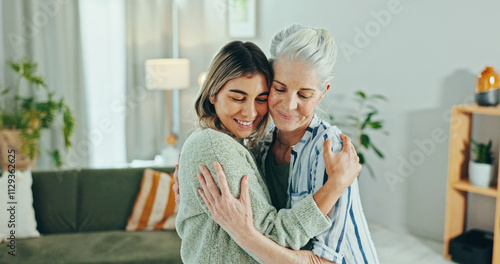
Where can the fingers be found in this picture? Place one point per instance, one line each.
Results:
(346, 142)
(207, 202)
(245, 195)
(208, 194)
(175, 187)
(327, 149)
(221, 176)
(212, 187)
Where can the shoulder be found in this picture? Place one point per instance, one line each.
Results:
(212, 143)
(323, 130)
(210, 137)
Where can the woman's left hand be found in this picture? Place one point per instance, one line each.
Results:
(233, 215)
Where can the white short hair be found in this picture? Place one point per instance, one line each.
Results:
(314, 46)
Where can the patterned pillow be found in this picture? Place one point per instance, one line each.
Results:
(155, 206)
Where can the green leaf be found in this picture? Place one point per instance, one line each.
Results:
(365, 140)
(14, 66)
(367, 119)
(375, 124)
(6, 91)
(361, 94)
(380, 97)
(69, 125)
(377, 151)
(361, 158)
(56, 156)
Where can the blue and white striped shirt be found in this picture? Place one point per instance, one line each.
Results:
(348, 240)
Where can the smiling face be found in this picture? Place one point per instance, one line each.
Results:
(294, 95)
(241, 104)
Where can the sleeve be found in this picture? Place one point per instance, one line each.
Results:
(328, 244)
(289, 227)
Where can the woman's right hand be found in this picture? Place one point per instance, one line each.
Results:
(342, 167)
(232, 214)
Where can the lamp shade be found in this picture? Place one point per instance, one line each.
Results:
(167, 74)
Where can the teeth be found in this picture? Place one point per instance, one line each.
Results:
(244, 123)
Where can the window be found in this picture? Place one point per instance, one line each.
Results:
(103, 44)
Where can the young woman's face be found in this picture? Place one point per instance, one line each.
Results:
(242, 103)
(294, 95)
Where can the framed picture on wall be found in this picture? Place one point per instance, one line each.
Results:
(241, 18)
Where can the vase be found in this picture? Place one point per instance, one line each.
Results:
(10, 151)
(480, 174)
(488, 87)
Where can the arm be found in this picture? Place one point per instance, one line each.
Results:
(234, 215)
(245, 233)
(348, 222)
(341, 170)
(290, 228)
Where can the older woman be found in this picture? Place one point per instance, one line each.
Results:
(232, 107)
(291, 155)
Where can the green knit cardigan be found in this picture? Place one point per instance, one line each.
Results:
(203, 240)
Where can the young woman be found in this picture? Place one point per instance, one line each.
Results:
(291, 157)
(232, 108)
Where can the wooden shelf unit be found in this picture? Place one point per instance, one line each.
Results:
(458, 183)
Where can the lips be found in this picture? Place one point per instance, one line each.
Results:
(285, 116)
(244, 124)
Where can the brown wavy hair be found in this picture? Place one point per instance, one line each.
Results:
(236, 59)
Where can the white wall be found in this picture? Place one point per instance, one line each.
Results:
(424, 60)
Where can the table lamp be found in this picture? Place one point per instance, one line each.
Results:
(168, 74)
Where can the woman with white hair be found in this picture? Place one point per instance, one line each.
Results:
(291, 157)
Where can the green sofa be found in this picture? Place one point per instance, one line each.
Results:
(82, 215)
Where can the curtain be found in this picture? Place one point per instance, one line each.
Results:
(148, 36)
(49, 32)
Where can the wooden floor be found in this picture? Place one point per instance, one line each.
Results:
(398, 247)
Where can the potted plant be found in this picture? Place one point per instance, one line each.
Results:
(481, 168)
(357, 126)
(22, 119)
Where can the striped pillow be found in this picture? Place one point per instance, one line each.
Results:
(155, 206)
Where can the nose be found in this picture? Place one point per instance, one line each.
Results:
(291, 101)
(249, 110)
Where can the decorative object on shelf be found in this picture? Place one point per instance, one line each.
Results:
(168, 74)
(488, 87)
(481, 169)
(23, 118)
(358, 125)
(241, 18)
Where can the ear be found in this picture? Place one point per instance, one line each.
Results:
(212, 99)
(328, 85)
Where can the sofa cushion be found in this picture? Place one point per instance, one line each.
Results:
(55, 200)
(99, 247)
(155, 205)
(107, 197)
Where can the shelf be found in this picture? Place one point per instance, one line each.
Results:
(464, 185)
(477, 109)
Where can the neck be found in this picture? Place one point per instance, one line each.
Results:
(290, 138)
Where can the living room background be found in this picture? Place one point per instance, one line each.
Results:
(430, 51)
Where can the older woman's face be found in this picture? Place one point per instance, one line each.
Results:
(294, 95)
(242, 103)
